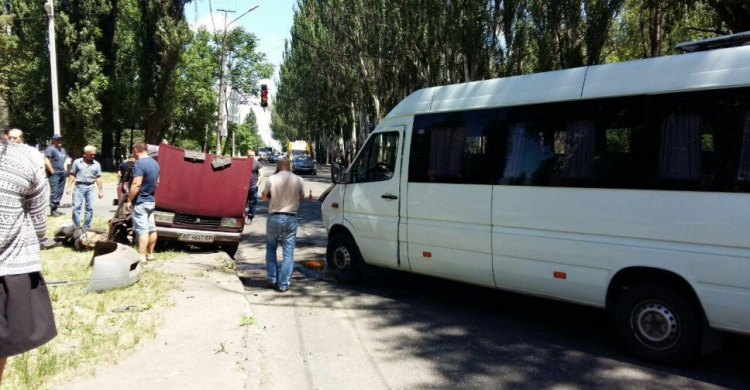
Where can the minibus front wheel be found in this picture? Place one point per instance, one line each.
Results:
(343, 258)
(659, 324)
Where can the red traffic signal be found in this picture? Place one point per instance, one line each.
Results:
(264, 95)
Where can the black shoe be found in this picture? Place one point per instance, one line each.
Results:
(282, 290)
(272, 285)
(56, 213)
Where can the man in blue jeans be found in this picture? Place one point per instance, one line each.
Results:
(285, 191)
(141, 200)
(255, 179)
(54, 161)
(84, 173)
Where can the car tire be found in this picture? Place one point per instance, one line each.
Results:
(659, 324)
(232, 250)
(343, 258)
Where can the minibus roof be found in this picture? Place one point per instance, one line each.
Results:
(721, 68)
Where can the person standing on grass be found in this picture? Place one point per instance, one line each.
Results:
(84, 173)
(54, 160)
(285, 190)
(141, 200)
(123, 177)
(26, 318)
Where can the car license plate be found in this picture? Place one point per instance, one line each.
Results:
(195, 237)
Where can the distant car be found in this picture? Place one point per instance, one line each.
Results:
(274, 158)
(264, 154)
(304, 164)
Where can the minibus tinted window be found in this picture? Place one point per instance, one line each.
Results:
(573, 144)
(688, 141)
(453, 147)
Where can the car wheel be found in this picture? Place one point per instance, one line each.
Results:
(659, 324)
(343, 258)
(232, 250)
(315, 172)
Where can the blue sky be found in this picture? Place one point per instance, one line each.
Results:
(270, 22)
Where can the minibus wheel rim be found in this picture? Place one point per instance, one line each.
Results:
(341, 257)
(655, 324)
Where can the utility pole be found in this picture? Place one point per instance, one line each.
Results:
(49, 9)
(221, 83)
(221, 74)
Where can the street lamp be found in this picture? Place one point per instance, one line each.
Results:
(221, 76)
(53, 66)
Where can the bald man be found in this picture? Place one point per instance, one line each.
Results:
(15, 135)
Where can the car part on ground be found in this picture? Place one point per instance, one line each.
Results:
(114, 265)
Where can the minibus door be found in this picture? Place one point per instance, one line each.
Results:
(371, 205)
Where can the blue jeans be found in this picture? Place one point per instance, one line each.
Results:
(283, 227)
(56, 189)
(252, 200)
(81, 193)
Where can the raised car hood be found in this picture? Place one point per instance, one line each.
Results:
(202, 184)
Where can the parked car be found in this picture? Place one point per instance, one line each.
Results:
(274, 158)
(304, 164)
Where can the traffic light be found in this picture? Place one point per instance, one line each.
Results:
(264, 95)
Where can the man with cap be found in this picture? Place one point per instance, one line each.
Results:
(54, 161)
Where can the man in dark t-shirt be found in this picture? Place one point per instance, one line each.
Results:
(142, 202)
(54, 162)
(124, 172)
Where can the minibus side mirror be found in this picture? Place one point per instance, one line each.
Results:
(335, 173)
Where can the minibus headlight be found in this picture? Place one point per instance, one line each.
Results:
(161, 216)
(234, 223)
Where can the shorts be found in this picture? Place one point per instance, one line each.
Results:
(26, 318)
(143, 218)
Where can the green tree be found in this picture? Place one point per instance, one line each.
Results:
(164, 32)
(195, 112)
(246, 135)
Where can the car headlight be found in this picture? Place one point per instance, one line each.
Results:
(163, 217)
(234, 223)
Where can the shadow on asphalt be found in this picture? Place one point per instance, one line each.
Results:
(473, 334)
(483, 338)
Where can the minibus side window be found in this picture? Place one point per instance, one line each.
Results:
(377, 162)
(576, 144)
(454, 147)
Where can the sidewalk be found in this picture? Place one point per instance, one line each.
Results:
(202, 344)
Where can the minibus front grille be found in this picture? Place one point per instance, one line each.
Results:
(195, 220)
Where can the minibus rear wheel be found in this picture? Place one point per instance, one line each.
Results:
(343, 258)
(659, 324)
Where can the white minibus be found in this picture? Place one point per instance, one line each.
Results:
(621, 186)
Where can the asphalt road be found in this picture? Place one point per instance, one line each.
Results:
(396, 330)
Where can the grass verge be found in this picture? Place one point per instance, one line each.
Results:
(92, 327)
